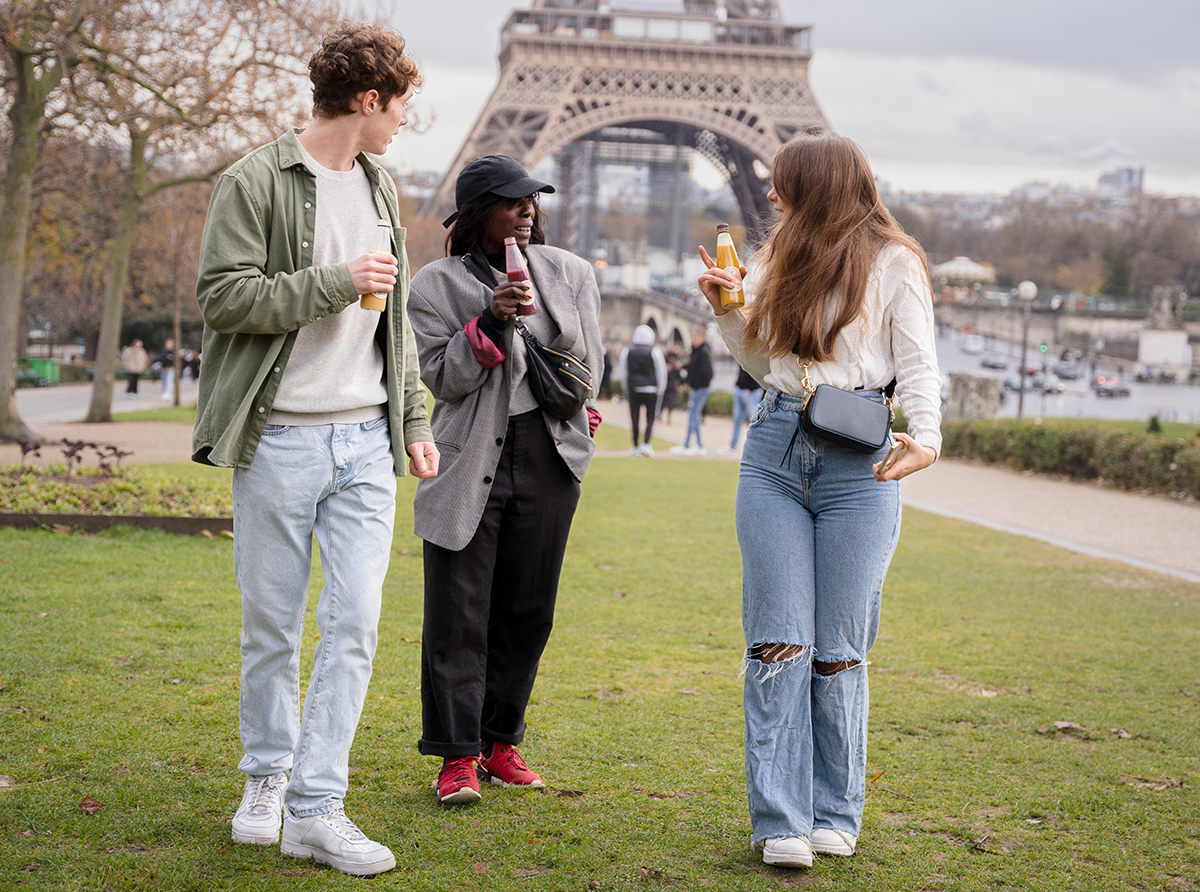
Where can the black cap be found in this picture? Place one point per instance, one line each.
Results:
(493, 173)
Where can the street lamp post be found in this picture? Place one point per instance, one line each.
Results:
(1026, 291)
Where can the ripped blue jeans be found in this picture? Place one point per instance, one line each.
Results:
(817, 533)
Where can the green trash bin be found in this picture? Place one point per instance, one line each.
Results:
(45, 369)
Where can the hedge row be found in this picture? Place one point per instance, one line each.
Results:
(1135, 461)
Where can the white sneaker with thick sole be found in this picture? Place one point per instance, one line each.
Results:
(679, 450)
(333, 839)
(832, 842)
(259, 815)
(786, 851)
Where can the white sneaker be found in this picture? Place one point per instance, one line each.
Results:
(679, 450)
(333, 839)
(635, 451)
(258, 817)
(787, 851)
(647, 450)
(697, 450)
(726, 450)
(833, 842)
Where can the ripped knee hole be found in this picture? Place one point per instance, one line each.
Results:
(775, 653)
(827, 669)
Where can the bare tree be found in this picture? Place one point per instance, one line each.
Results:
(180, 80)
(39, 49)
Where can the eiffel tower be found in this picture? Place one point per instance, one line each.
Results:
(594, 82)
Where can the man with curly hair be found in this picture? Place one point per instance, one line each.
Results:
(311, 398)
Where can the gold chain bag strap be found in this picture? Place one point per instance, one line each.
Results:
(845, 417)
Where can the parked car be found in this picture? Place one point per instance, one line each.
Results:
(1110, 386)
(994, 362)
(1013, 384)
(1048, 383)
(1067, 369)
(973, 344)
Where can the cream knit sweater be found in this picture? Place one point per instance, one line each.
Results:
(894, 337)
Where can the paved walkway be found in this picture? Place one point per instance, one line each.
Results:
(1152, 532)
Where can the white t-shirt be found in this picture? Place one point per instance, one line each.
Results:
(335, 373)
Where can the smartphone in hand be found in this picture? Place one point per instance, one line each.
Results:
(894, 455)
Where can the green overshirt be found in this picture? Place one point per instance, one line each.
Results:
(257, 287)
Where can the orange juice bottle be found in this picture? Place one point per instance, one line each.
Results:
(727, 259)
(381, 241)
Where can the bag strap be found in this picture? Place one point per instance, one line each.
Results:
(478, 268)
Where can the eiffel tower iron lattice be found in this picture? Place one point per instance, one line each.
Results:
(727, 78)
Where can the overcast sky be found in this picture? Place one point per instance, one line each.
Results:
(943, 95)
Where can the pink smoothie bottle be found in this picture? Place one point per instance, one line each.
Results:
(518, 271)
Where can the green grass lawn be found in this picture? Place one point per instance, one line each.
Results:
(119, 671)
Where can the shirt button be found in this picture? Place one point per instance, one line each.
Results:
(261, 409)
(499, 441)
(277, 370)
(308, 204)
(304, 244)
(487, 479)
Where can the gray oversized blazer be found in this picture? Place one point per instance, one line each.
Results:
(470, 415)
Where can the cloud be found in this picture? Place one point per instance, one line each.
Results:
(1109, 150)
(1017, 121)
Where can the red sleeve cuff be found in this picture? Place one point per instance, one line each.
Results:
(485, 351)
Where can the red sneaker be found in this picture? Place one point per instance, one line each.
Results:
(506, 768)
(457, 783)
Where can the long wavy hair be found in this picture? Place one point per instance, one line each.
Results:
(466, 232)
(818, 258)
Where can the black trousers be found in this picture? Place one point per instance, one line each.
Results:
(636, 402)
(490, 607)
(131, 381)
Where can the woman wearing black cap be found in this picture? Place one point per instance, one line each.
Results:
(495, 519)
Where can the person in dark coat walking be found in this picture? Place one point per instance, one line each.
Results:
(699, 378)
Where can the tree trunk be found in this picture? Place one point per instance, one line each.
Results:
(109, 345)
(27, 114)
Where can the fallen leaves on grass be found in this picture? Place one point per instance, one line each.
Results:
(1122, 734)
(6, 782)
(1158, 785)
(90, 806)
(1065, 729)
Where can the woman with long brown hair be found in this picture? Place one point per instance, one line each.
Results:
(842, 298)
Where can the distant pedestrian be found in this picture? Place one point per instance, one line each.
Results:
(699, 375)
(642, 371)
(606, 375)
(164, 362)
(135, 361)
(746, 394)
(843, 299)
(670, 401)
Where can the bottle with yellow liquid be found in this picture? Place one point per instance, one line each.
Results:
(727, 259)
(381, 241)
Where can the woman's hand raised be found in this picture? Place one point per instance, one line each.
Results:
(713, 279)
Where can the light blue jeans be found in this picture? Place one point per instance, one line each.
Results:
(336, 482)
(744, 402)
(817, 533)
(696, 402)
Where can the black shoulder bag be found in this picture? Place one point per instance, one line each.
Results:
(845, 417)
(560, 381)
